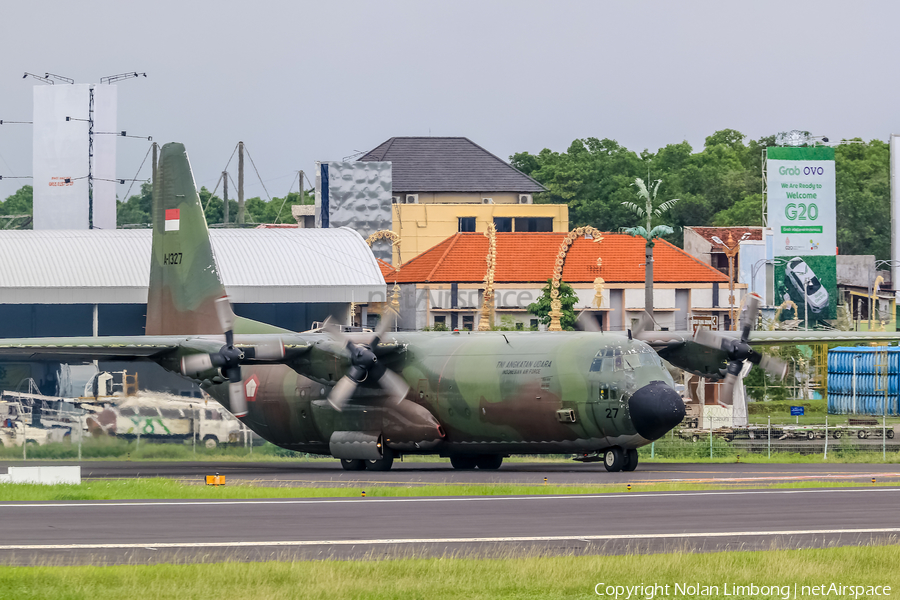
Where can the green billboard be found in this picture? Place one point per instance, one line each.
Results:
(801, 213)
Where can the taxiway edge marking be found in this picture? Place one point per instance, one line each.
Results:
(399, 541)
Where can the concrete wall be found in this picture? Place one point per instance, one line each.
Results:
(696, 245)
(426, 301)
(857, 270)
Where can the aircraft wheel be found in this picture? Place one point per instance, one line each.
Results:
(614, 459)
(382, 464)
(489, 461)
(631, 460)
(861, 434)
(466, 463)
(353, 464)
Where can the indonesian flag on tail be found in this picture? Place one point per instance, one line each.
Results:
(172, 219)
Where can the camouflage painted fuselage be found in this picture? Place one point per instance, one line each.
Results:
(469, 392)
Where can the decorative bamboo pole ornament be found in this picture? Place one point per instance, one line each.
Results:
(487, 303)
(384, 234)
(587, 232)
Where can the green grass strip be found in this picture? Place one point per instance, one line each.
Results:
(170, 489)
(451, 578)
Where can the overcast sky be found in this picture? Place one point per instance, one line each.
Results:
(306, 81)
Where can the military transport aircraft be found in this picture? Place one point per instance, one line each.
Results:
(367, 398)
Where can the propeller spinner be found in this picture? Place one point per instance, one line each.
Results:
(364, 366)
(228, 359)
(740, 350)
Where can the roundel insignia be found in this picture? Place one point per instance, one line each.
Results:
(251, 386)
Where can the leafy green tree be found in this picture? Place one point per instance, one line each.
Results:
(568, 298)
(20, 203)
(863, 190)
(746, 212)
(137, 210)
(647, 210)
(719, 185)
(278, 210)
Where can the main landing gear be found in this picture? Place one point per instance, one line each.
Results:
(356, 464)
(468, 462)
(617, 459)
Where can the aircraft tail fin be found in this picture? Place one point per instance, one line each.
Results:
(184, 279)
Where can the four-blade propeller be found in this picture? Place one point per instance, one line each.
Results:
(228, 359)
(364, 365)
(740, 350)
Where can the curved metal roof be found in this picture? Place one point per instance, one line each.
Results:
(256, 265)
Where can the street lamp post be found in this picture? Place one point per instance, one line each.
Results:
(731, 251)
(754, 270)
(806, 304)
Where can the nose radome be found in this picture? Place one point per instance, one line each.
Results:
(655, 409)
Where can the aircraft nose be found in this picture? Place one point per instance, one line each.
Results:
(655, 409)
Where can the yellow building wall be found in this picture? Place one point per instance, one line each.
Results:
(466, 197)
(423, 226)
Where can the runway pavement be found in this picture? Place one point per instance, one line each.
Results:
(329, 472)
(110, 532)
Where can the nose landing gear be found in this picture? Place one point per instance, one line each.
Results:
(616, 459)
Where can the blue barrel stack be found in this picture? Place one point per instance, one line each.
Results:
(869, 400)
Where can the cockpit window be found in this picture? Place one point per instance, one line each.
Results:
(650, 360)
(632, 361)
(631, 357)
(616, 358)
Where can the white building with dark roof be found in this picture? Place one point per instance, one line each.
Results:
(95, 282)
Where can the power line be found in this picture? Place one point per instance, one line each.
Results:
(232, 156)
(208, 200)
(257, 174)
(278, 216)
(138, 172)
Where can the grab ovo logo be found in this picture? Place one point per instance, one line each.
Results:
(797, 171)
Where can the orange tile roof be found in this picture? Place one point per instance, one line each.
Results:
(387, 270)
(530, 258)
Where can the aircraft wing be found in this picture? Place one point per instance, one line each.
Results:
(660, 340)
(150, 347)
(679, 347)
(87, 348)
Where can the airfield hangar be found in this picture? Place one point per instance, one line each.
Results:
(82, 283)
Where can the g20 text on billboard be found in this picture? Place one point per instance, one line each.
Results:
(801, 200)
(801, 214)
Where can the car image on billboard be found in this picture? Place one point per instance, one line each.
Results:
(801, 275)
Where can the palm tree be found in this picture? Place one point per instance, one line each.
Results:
(648, 211)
